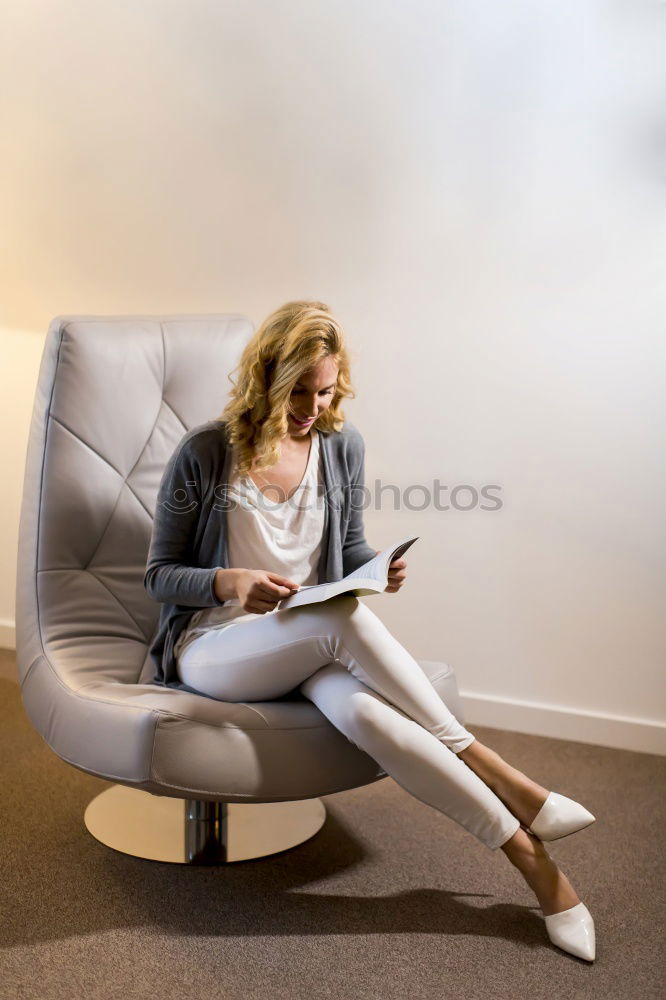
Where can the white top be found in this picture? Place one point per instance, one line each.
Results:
(282, 538)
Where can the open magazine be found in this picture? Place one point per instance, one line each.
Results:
(370, 578)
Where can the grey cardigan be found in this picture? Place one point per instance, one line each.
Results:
(189, 536)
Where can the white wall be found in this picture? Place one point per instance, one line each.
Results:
(477, 190)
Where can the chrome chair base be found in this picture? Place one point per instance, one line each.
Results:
(197, 832)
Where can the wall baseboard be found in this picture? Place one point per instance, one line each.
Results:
(7, 634)
(617, 732)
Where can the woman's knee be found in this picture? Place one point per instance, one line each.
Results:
(341, 606)
(367, 716)
(347, 612)
(338, 617)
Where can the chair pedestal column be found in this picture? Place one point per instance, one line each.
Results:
(198, 832)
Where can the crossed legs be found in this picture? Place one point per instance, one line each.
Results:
(346, 661)
(412, 755)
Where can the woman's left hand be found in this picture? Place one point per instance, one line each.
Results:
(397, 574)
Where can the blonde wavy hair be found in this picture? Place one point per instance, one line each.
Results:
(289, 342)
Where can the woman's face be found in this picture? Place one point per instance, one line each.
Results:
(311, 395)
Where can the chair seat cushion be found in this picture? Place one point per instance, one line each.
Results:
(171, 742)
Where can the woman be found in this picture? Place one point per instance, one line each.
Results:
(277, 459)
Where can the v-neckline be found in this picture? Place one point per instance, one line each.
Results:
(303, 478)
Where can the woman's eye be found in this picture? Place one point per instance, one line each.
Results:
(324, 392)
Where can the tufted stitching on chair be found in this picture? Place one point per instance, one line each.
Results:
(120, 491)
(104, 459)
(102, 534)
(179, 419)
(164, 368)
(262, 717)
(118, 601)
(125, 484)
(84, 569)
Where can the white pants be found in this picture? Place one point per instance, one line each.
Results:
(343, 658)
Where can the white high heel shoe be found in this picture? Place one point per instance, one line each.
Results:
(558, 817)
(572, 930)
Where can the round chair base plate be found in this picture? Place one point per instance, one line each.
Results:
(189, 831)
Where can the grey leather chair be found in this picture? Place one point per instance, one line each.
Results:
(195, 780)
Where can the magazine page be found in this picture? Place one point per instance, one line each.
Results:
(371, 577)
(378, 567)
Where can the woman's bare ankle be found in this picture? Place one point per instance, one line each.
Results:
(522, 796)
(484, 761)
(524, 850)
(550, 885)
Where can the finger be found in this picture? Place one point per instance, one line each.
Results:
(261, 607)
(261, 596)
(266, 591)
(283, 581)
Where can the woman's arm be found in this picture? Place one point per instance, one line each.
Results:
(170, 578)
(225, 587)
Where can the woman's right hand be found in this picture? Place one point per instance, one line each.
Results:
(260, 591)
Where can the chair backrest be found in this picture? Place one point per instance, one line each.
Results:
(114, 397)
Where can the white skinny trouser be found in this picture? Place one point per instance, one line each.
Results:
(343, 658)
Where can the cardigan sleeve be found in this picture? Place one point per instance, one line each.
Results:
(170, 577)
(355, 549)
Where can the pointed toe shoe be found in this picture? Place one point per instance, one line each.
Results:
(572, 930)
(558, 817)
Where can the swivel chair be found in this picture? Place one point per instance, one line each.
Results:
(195, 780)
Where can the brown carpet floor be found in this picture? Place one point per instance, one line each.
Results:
(391, 899)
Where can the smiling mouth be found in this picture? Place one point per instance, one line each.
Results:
(306, 421)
